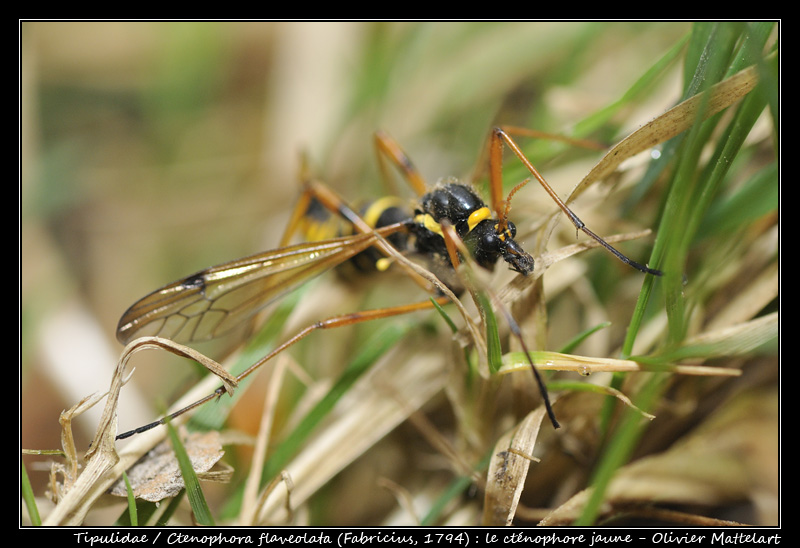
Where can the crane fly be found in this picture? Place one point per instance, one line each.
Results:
(211, 302)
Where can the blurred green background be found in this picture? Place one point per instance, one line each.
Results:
(150, 150)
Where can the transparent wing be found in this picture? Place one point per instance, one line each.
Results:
(213, 301)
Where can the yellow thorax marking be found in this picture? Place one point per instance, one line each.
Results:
(427, 221)
(477, 216)
(474, 218)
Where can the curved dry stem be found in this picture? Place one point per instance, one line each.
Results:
(104, 464)
(673, 122)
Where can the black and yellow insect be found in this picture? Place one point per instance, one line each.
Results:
(213, 301)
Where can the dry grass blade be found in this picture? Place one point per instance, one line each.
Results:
(105, 465)
(735, 340)
(723, 461)
(760, 291)
(106, 430)
(512, 290)
(673, 122)
(249, 504)
(508, 470)
(586, 365)
(385, 396)
(69, 470)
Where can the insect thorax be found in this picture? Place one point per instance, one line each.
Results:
(472, 220)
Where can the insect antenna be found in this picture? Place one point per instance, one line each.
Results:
(517, 332)
(454, 243)
(499, 138)
(504, 207)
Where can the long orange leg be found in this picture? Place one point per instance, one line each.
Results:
(330, 323)
(386, 148)
(316, 190)
(454, 247)
(501, 137)
(302, 205)
(389, 148)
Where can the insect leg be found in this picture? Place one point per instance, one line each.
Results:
(334, 203)
(299, 211)
(483, 162)
(303, 205)
(387, 147)
(421, 276)
(500, 137)
(330, 323)
(454, 245)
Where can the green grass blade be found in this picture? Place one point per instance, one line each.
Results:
(711, 53)
(580, 337)
(28, 496)
(443, 313)
(197, 501)
(494, 351)
(370, 352)
(171, 509)
(759, 196)
(455, 489)
(133, 515)
(619, 449)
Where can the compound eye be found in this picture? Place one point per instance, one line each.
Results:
(512, 229)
